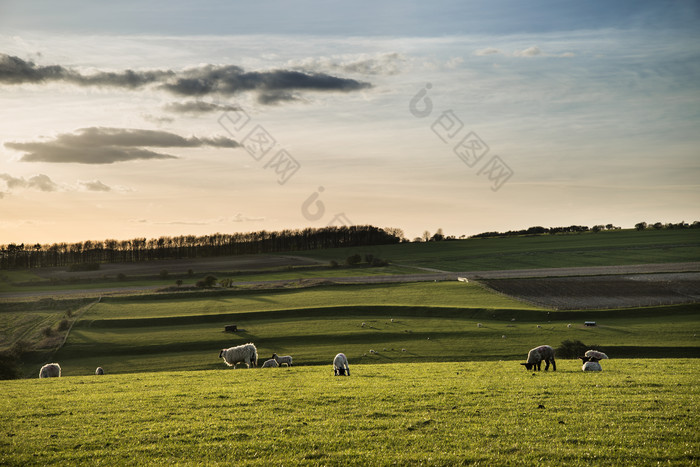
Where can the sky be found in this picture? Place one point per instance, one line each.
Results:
(147, 119)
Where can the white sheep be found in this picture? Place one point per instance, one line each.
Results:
(592, 366)
(372, 351)
(50, 370)
(568, 325)
(595, 355)
(478, 325)
(280, 360)
(271, 363)
(340, 365)
(99, 371)
(536, 355)
(246, 353)
(539, 327)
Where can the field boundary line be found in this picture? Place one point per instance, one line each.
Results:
(70, 328)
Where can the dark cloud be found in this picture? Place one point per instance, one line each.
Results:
(273, 86)
(228, 80)
(14, 70)
(37, 182)
(98, 145)
(199, 107)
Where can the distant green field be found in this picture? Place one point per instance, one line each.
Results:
(422, 322)
(607, 248)
(485, 413)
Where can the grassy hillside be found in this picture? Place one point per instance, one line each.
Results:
(494, 413)
(607, 248)
(420, 322)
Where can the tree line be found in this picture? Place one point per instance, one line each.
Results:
(14, 256)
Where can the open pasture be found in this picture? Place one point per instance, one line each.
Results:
(413, 322)
(457, 413)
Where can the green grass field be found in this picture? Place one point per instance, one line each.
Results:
(482, 413)
(411, 322)
(608, 248)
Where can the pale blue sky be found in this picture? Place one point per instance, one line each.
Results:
(594, 109)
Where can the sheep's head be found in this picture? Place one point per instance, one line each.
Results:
(221, 353)
(528, 366)
(583, 359)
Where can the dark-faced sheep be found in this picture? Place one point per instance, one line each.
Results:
(99, 371)
(340, 365)
(50, 370)
(246, 353)
(536, 355)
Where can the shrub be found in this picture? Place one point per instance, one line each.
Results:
(178, 282)
(121, 276)
(190, 272)
(353, 260)
(377, 262)
(334, 264)
(63, 325)
(369, 258)
(163, 274)
(47, 331)
(574, 349)
(208, 281)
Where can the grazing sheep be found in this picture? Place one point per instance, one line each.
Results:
(568, 325)
(592, 366)
(271, 363)
(478, 325)
(539, 327)
(364, 324)
(340, 365)
(536, 355)
(246, 353)
(280, 360)
(50, 370)
(99, 371)
(595, 354)
(372, 351)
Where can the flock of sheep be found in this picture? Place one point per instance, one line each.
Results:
(545, 353)
(248, 354)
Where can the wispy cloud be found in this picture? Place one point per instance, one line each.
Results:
(93, 185)
(199, 107)
(39, 182)
(529, 52)
(98, 145)
(487, 51)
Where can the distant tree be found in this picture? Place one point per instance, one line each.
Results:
(334, 263)
(640, 226)
(438, 236)
(178, 282)
(353, 260)
(597, 228)
(658, 226)
(190, 272)
(426, 236)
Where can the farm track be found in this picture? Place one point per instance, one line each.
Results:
(599, 287)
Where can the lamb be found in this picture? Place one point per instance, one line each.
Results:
(536, 355)
(595, 355)
(340, 365)
(50, 370)
(99, 371)
(271, 363)
(280, 360)
(246, 353)
(591, 366)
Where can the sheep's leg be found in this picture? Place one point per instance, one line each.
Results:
(554, 365)
(546, 365)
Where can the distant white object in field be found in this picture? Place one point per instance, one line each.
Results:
(99, 371)
(591, 366)
(364, 324)
(280, 360)
(513, 319)
(271, 363)
(568, 325)
(372, 351)
(503, 336)
(539, 327)
(50, 370)
(340, 365)
(403, 350)
(478, 325)
(463, 279)
(246, 353)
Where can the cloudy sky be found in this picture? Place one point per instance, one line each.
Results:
(142, 119)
